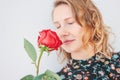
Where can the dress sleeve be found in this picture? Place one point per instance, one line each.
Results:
(114, 66)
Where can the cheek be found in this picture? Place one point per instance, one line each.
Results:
(79, 36)
(78, 32)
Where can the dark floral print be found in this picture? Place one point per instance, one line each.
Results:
(98, 67)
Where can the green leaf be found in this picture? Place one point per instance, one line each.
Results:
(30, 50)
(28, 77)
(39, 77)
(49, 75)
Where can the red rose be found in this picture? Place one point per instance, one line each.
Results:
(49, 38)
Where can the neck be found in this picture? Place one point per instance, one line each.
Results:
(83, 54)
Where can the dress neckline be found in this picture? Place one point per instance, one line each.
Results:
(97, 57)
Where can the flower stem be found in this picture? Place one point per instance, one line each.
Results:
(39, 58)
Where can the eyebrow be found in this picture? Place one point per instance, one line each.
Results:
(68, 18)
(64, 19)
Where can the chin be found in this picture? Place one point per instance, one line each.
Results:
(68, 50)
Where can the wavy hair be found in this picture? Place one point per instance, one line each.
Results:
(88, 16)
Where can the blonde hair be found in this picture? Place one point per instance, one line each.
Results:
(96, 32)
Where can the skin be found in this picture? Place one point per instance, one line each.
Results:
(70, 33)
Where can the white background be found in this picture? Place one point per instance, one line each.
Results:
(21, 19)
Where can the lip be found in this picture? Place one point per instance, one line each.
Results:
(68, 41)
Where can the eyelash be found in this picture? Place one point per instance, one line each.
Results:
(70, 23)
(58, 27)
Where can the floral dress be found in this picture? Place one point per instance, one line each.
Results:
(98, 67)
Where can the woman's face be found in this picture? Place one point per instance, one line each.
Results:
(67, 28)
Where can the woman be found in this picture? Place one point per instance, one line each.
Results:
(85, 45)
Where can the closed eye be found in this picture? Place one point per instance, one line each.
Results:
(70, 23)
(58, 27)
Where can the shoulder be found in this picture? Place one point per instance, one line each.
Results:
(114, 67)
(63, 73)
(116, 56)
(115, 61)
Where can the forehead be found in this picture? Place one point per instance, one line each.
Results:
(62, 12)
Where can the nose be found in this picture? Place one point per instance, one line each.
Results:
(62, 32)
